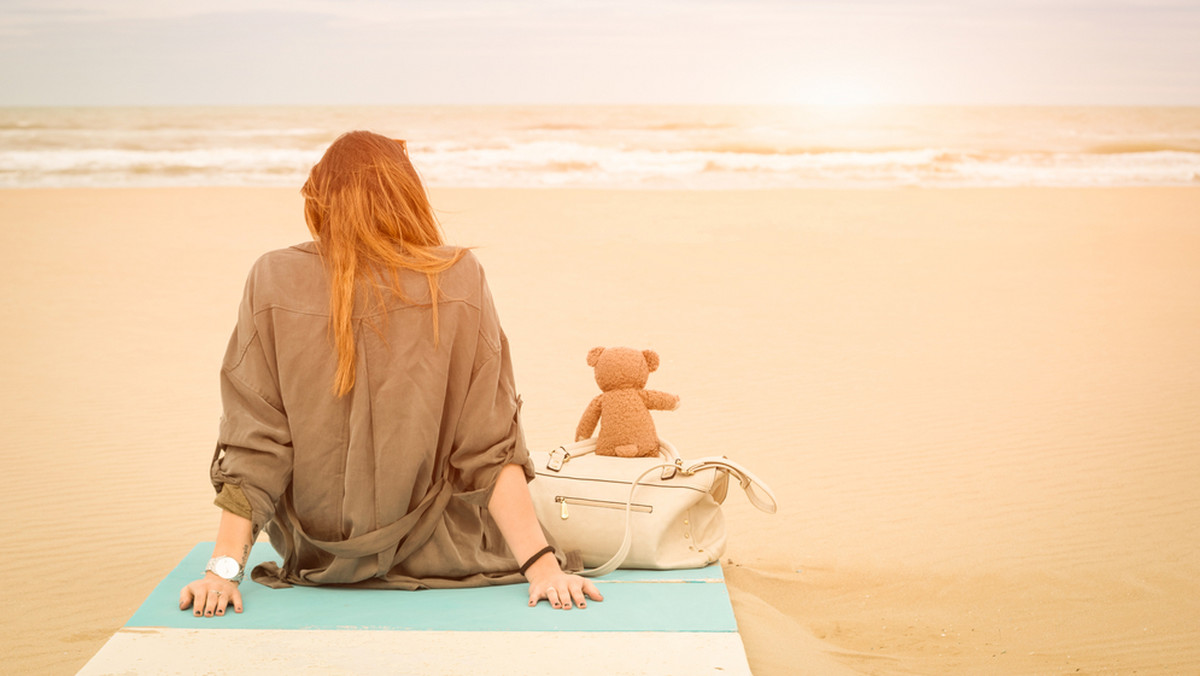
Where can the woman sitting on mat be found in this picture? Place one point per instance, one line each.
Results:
(371, 422)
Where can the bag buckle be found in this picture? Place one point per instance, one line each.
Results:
(669, 471)
(558, 457)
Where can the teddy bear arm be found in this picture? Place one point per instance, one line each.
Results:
(660, 401)
(587, 424)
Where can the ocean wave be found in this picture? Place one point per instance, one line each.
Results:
(606, 148)
(161, 140)
(765, 149)
(550, 163)
(1144, 147)
(556, 126)
(119, 168)
(688, 126)
(526, 164)
(625, 126)
(569, 166)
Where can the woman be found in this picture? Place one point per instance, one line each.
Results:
(374, 432)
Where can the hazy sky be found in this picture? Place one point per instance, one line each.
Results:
(62, 52)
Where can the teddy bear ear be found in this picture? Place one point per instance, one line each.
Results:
(651, 359)
(594, 356)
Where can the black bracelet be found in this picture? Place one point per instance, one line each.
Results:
(533, 559)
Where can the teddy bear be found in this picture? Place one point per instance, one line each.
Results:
(624, 405)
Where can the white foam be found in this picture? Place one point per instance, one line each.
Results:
(634, 148)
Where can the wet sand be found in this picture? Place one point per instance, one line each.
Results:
(980, 409)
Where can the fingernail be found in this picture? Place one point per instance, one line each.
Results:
(220, 612)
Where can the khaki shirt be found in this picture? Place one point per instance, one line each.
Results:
(387, 486)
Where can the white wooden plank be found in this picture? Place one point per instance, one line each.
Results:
(272, 651)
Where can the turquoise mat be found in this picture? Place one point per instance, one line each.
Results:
(676, 601)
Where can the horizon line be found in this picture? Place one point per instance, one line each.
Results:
(849, 106)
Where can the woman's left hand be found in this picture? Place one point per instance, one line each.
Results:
(561, 589)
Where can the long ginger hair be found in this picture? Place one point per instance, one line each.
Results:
(368, 211)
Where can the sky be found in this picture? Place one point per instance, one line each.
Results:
(372, 52)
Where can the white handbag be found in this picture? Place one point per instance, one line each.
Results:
(654, 513)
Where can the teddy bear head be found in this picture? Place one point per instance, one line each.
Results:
(621, 367)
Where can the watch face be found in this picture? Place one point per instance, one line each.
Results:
(226, 567)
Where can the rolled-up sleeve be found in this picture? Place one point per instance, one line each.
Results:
(489, 433)
(254, 449)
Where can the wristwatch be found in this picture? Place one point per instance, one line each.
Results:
(226, 567)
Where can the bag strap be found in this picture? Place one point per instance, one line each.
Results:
(757, 491)
(750, 483)
(627, 540)
(561, 455)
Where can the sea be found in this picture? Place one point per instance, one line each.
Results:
(621, 147)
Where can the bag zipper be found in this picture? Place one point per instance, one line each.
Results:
(564, 500)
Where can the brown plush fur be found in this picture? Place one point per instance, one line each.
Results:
(623, 410)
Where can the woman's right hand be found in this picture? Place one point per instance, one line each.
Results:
(210, 595)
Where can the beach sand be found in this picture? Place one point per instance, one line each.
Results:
(979, 408)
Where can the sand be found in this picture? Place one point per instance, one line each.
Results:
(980, 409)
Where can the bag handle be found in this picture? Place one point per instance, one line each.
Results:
(750, 483)
(561, 455)
(764, 500)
